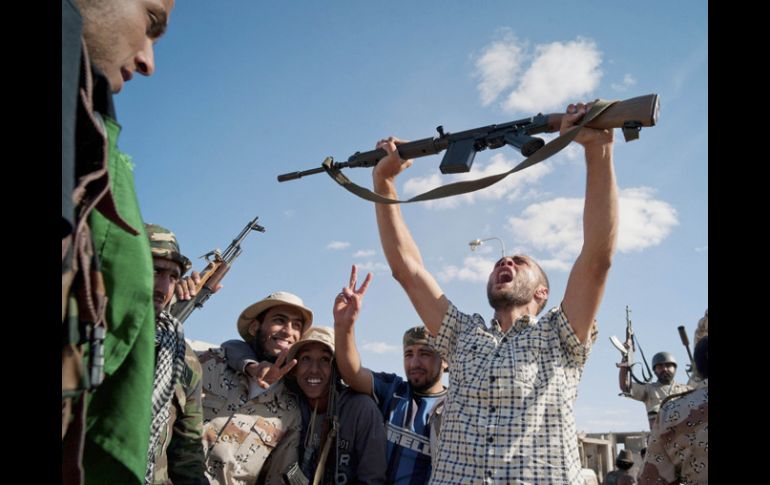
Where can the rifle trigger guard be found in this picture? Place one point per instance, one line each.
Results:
(631, 130)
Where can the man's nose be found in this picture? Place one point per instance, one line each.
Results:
(145, 59)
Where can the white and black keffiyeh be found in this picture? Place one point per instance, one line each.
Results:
(169, 365)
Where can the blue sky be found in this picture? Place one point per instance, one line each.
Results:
(247, 90)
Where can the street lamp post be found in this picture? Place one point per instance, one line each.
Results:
(478, 242)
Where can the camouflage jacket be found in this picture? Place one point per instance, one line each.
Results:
(240, 434)
(179, 457)
(677, 450)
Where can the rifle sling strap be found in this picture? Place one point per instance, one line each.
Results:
(463, 187)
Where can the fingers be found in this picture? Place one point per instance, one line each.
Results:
(353, 277)
(389, 144)
(365, 284)
(281, 357)
(275, 372)
(349, 292)
(196, 277)
(262, 370)
(289, 366)
(185, 288)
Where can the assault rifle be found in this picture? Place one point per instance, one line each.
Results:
(630, 115)
(218, 265)
(628, 348)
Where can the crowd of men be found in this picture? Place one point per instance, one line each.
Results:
(292, 402)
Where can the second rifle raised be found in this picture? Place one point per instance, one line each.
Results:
(218, 265)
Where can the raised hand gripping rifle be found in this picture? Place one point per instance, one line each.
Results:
(628, 348)
(218, 265)
(630, 115)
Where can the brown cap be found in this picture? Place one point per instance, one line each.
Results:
(324, 335)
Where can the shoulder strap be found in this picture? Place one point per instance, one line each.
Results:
(463, 187)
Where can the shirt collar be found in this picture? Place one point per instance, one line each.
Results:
(518, 326)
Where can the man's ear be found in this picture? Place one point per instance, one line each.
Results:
(253, 327)
(541, 293)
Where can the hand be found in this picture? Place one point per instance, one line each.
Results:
(187, 287)
(587, 136)
(266, 373)
(348, 302)
(391, 165)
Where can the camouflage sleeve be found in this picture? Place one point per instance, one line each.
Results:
(185, 451)
(238, 354)
(657, 468)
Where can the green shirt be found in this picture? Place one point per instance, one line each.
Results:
(120, 410)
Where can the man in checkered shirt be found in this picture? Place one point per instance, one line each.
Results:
(509, 415)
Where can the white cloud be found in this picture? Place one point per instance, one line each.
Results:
(289, 213)
(555, 226)
(380, 348)
(475, 269)
(644, 221)
(627, 82)
(374, 267)
(364, 253)
(560, 73)
(515, 186)
(498, 67)
(702, 249)
(337, 245)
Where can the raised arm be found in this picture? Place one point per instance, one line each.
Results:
(398, 245)
(347, 306)
(588, 277)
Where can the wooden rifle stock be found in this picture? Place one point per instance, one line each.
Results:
(213, 273)
(642, 110)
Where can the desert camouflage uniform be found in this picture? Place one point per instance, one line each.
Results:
(239, 434)
(179, 457)
(653, 393)
(677, 451)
